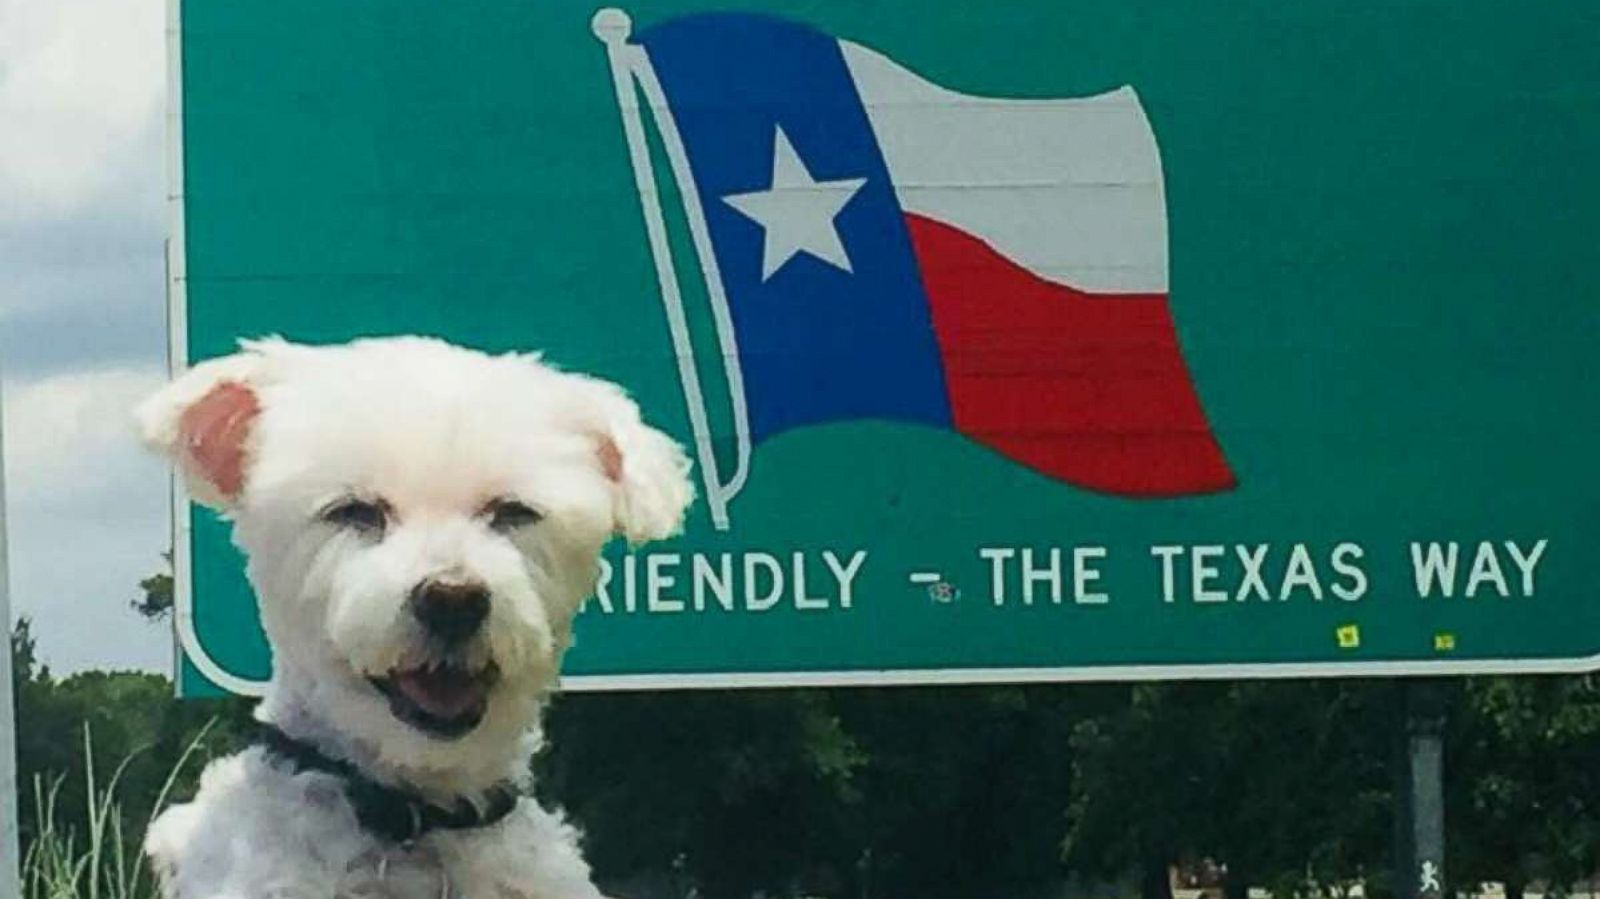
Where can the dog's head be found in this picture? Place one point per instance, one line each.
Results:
(422, 521)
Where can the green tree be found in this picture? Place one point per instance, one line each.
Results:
(1523, 791)
(927, 792)
(1140, 784)
(732, 790)
(132, 717)
(961, 790)
(156, 593)
(1284, 783)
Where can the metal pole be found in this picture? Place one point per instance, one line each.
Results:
(1420, 856)
(10, 846)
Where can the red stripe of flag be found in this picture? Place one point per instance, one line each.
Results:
(1090, 389)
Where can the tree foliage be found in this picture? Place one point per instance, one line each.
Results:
(155, 594)
(1525, 783)
(962, 792)
(132, 716)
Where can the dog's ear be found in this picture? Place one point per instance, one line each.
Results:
(648, 469)
(204, 421)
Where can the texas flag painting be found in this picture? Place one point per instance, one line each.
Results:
(875, 246)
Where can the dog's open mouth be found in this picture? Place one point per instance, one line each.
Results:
(443, 699)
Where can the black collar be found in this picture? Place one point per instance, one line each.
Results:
(394, 814)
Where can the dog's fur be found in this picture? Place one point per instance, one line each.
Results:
(278, 434)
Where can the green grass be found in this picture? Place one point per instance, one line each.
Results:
(105, 862)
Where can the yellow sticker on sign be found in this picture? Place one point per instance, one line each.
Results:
(1349, 636)
(1443, 642)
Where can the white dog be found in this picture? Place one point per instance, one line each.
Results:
(422, 522)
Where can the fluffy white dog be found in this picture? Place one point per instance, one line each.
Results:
(422, 522)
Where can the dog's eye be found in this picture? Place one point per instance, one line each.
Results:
(366, 516)
(509, 514)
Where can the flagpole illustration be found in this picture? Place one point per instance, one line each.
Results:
(631, 68)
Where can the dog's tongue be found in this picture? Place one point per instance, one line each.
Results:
(445, 693)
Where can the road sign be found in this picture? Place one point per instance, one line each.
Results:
(1037, 342)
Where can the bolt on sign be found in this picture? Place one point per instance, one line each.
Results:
(1034, 342)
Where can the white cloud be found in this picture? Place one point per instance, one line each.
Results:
(62, 430)
(87, 517)
(81, 307)
(81, 94)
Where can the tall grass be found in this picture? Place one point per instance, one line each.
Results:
(105, 862)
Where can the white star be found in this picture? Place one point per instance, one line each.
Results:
(797, 211)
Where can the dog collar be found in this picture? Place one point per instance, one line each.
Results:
(393, 814)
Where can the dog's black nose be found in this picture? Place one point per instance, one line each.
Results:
(450, 610)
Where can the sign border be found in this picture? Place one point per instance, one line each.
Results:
(194, 650)
(177, 362)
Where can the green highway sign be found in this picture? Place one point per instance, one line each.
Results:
(1035, 341)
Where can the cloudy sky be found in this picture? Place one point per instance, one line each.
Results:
(82, 320)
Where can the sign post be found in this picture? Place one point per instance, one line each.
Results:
(10, 796)
(1419, 854)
